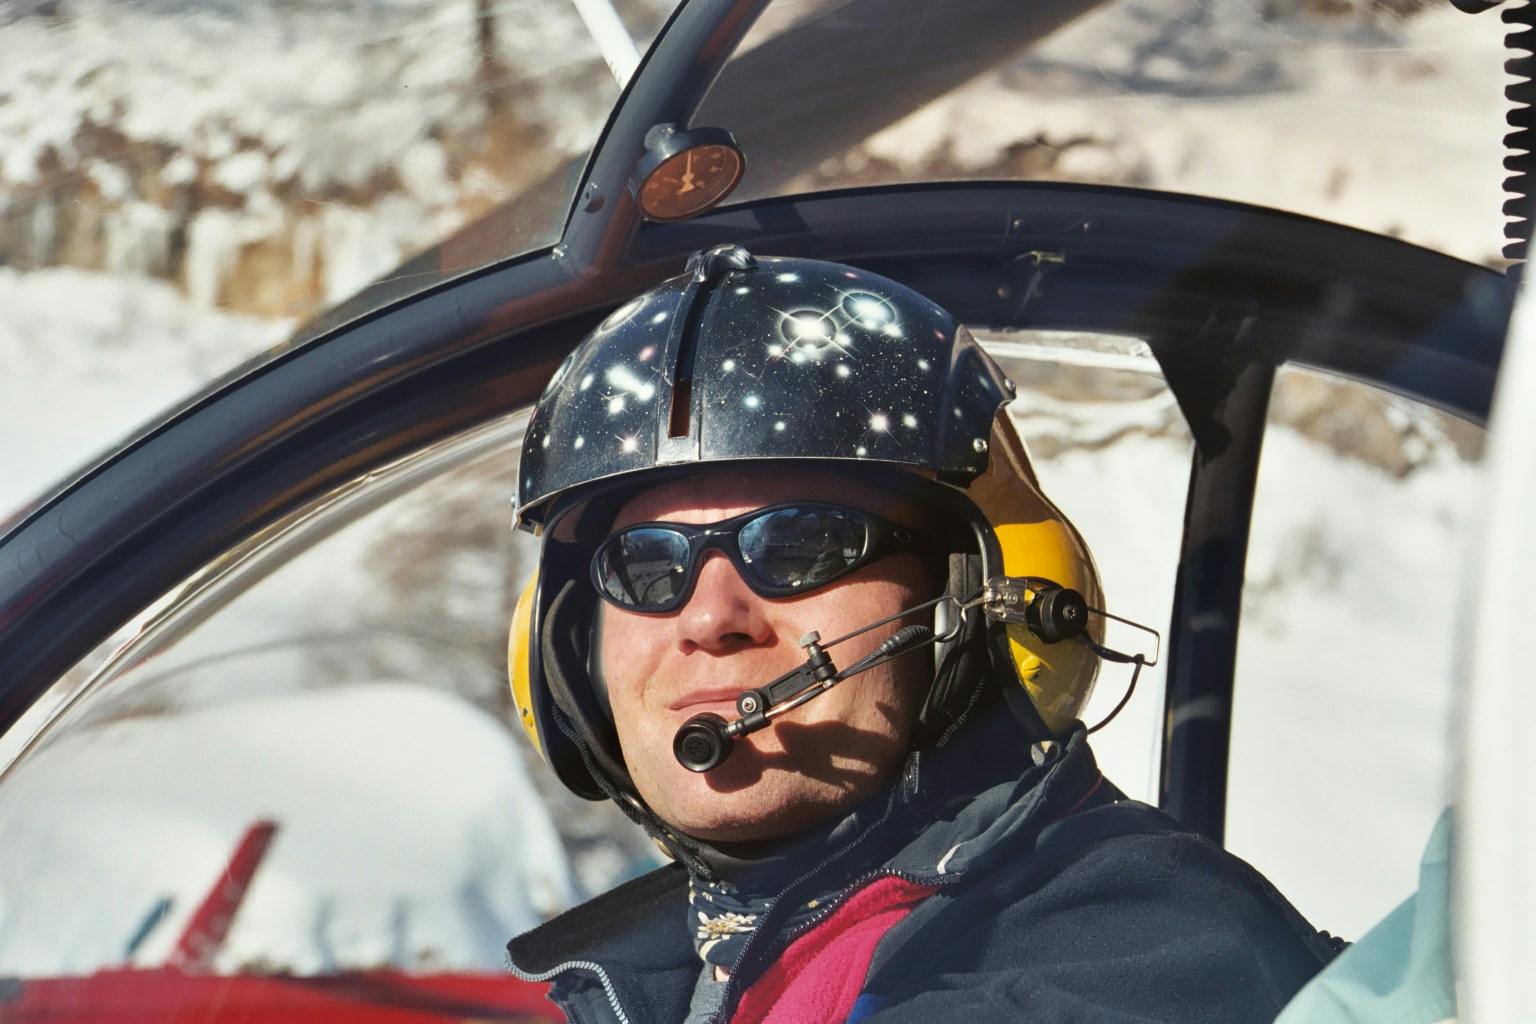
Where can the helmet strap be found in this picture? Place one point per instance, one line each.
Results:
(567, 633)
(961, 671)
(676, 845)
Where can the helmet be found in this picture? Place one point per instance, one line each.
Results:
(744, 359)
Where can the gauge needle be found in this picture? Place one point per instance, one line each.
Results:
(687, 182)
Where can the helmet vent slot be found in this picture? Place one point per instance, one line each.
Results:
(682, 406)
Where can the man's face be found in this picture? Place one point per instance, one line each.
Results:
(662, 670)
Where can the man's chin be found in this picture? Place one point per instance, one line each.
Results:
(735, 828)
(731, 806)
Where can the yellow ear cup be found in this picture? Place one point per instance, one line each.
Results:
(1059, 677)
(520, 643)
(1035, 539)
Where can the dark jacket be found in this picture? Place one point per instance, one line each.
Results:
(1041, 894)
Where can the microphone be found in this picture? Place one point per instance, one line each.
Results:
(1049, 610)
(705, 740)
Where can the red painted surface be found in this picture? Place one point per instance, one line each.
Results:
(186, 992)
(209, 924)
(168, 995)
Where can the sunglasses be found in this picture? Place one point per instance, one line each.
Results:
(779, 551)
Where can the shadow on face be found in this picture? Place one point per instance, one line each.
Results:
(820, 751)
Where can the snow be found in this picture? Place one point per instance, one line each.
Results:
(396, 75)
(1135, 544)
(1345, 675)
(428, 856)
(1394, 127)
(87, 358)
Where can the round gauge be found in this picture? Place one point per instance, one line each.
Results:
(688, 172)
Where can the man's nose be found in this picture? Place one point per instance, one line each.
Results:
(722, 614)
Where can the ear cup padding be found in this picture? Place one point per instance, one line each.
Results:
(567, 628)
(961, 676)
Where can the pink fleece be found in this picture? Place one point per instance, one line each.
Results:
(818, 978)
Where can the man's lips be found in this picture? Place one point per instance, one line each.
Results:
(695, 698)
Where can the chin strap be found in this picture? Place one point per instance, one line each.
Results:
(676, 845)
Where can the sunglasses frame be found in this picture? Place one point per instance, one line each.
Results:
(881, 537)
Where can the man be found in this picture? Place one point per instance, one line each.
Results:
(804, 613)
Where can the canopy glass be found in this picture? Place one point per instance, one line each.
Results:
(1385, 116)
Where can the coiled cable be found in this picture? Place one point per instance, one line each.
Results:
(1519, 144)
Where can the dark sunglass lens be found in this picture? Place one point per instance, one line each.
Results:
(802, 547)
(643, 568)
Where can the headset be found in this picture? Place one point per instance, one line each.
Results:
(1050, 611)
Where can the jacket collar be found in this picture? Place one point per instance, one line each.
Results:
(983, 797)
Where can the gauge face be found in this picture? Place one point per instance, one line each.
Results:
(690, 182)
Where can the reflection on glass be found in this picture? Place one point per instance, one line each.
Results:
(325, 752)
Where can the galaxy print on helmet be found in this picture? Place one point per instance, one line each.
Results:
(792, 358)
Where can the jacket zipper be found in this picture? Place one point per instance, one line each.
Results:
(827, 909)
(823, 912)
(733, 986)
(584, 965)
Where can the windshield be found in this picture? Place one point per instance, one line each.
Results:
(181, 185)
(1382, 116)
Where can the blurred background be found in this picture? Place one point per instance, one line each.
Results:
(184, 185)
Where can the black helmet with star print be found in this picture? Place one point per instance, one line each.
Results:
(748, 357)
(765, 362)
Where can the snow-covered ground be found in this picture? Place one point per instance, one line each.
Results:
(408, 834)
(86, 358)
(327, 140)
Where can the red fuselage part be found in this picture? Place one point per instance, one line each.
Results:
(170, 996)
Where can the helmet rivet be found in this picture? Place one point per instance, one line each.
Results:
(748, 704)
(980, 444)
(1010, 385)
